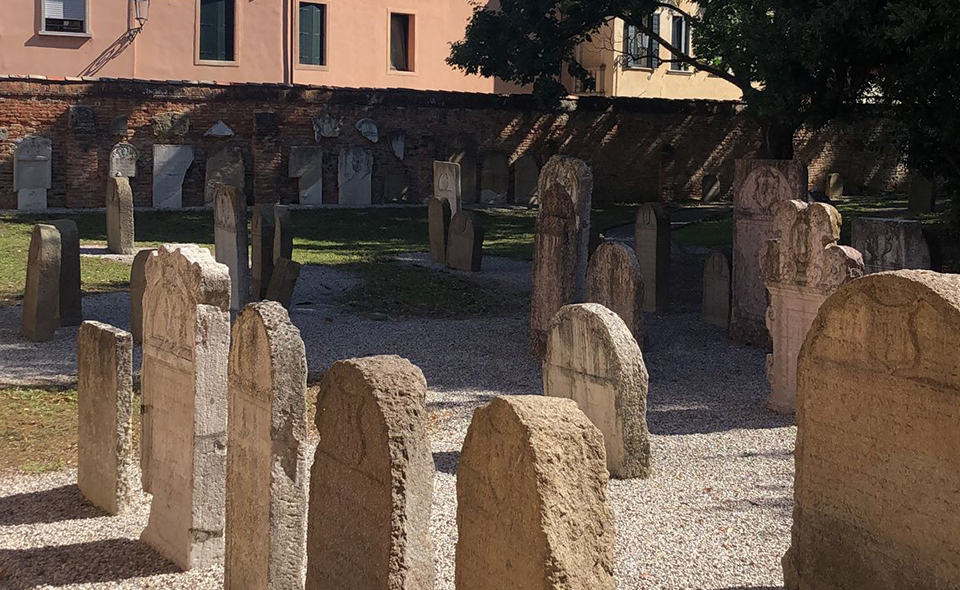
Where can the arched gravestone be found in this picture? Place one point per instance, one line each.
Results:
(531, 499)
(231, 240)
(438, 217)
(614, 281)
(801, 268)
(371, 486)
(594, 360)
(266, 500)
(495, 178)
(877, 485)
(891, 244)
(32, 172)
(465, 242)
(526, 173)
(463, 151)
(41, 294)
(120, 229)
(560, 244)
(716, 289)
(447, 185)
(652, 247)
(123, 161)
(186, 342)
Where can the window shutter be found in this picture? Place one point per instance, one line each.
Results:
(65, 9)
(319, 31)
(654, 44)
(630, 45)
(306, 33)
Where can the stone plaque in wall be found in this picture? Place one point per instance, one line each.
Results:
(119, 125)
(527, 172)
(368, 129)
(170, 124)
(170, 165)
(447, 184)
(891, 244)
(32, 172)
(652, 247)
(716, 289)
(355, 176)
(398, 143)
(225, 166)
(83, 120)
(326, 126)
(306, 165)
(495, 178)
(614, 280)
(231, 241)
(123, 161)
(266, 123)
(220, 130)
(877, 486)
(759, 186)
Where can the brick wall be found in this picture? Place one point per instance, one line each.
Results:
(639, 149)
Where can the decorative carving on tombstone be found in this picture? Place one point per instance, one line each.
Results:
(355, 176)
(326, 126)
(123, 161)
(447, 185)
(891, 244)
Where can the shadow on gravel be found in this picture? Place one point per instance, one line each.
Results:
(96, 562)
(446, 461)
(55, 505)
(705, 420)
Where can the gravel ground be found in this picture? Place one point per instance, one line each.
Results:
(716, 515)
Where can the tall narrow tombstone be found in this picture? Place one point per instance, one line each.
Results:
(355, 176)
(231, 241)
(283, 283)
(920, 197)
(532, 499)
(877, 485)
(371, 486)
(594, 360)
(224, 166)
(282, 233)
(526, 173)
(105, 452)
(465, 243)
(71, 294)
(438, 217)
(447, 185)
(716, 289)
(560, 244)
(170, 165)
(138, 285)
(186, 342)
(32, 172)
(652, 247)
(261, 235)
(41, 294)
(120, 228)
(759, 186)
(306, 165)
(495, 178)
(802, 267)
(123, 161)
(614, 281)
(266, 501)
(891, 244)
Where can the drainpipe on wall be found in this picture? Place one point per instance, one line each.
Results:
(287, 44)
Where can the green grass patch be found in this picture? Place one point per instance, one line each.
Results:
(717, 233)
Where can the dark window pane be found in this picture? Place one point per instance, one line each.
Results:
(680, 40)
(60, 25)
(217, 30)
(312, 31)
(400, 42)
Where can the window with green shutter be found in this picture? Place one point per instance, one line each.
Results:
(313, 32)
(217, 23)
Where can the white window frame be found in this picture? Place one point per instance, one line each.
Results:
(86, 22)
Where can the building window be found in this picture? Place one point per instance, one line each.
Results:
(641, 50)
(313, 34)
(401, 42)
(217, 30)
(681, 40)
(65, 16)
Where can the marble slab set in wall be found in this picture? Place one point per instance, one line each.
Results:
(355, 176)
(891, 244)
(224, 166)
(32, 172)
(170, 165)
(306, 165)
(447, 185)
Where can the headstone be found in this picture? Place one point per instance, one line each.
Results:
(532, 499)
(71, 294)
(759, 186)
(123, 161)
(231, 242)
(283, 281)
(920, 198)
(138, 284)
(877, 485)
(464, 153)
(438, 213)
(652, 247)
(396, 188)
(614, 281)
(326, 126)
(119, 125)
(120, 225)
(261, 235)
(170, 165)
(83, 120)
(266, 123)
(446, 185)
(712, 189)
(224, 167)
(371, 486)
(594, 360)
(356, 176)
(527, 172)
(266, 499)
(170, 124)
(220, 130)
(891, 244)
(398, 143)
(495, 178)
(716, 289)
(186, 342)
(105, 451)
(560, 243)
(32, 172)
(41, 294)
(282, 233)
(834, 188)
(306, 165)
(368, 129)
(465, 242)
(801, 267)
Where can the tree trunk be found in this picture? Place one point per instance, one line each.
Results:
(776, 141)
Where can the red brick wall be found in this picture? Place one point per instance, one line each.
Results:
(639, 149)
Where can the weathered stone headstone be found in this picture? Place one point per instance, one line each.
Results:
(759, 186)
(716, 289)
(71, 294)
(368, 129)
(262, 228)
(123, 161)
(306, 165)
(652, 247)
(32, 172)
(170, 165)
(186, 342)
(398, 143)
(41, 294)
(614, 281)
(326, 126)
(834, 188)
(224, 166)
(231, 241)
(356, 176)
(920, 198)
(465, 242)
(138, 284)
(877, 488)
(105, 451)
(266, 499)
(446, 185)
(527, 172)
(371, 486)
(495, 178)
(283, 282)
(890, 244)
(560, 244)
(83, 119)
(120, 225)
(594, 360)
(282, 233)
(532, 499)
(464, 153)
(438, 214)
(801, 267)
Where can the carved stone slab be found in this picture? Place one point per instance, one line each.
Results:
(41, 294)
(368, 129)
(120, 224)
(652, 246)
(891, 244)
(170, 165)
(446, 185)
(356, 176)
(224, 167)
(123, 161)
(614, 281)
(231, 241)
(306, 165)
(32, 172)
